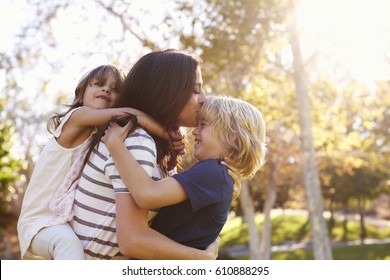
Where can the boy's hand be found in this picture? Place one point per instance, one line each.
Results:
(115, 133)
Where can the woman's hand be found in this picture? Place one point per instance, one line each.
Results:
(233, 174)
(177, 142)
(115, 133)
(212, 249)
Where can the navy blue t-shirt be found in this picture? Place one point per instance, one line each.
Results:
(198, 221)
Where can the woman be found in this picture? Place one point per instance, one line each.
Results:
(195, 203)
(167, 85)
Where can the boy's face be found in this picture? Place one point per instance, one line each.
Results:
(101, 96)
(206, 145)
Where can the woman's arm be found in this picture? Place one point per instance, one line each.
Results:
(147, 193)
(137, 240)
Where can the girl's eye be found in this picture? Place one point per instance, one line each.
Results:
(196, 92)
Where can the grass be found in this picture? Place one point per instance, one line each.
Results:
(297, 229)
(284, 228)
(359, 252)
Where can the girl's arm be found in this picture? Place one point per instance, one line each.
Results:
(136, 239)
(146, 192)
(81, 123)
(89, 117)
(153, 127)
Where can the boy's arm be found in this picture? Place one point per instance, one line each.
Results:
(147, 193)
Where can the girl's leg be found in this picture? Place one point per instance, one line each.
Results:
(57, 242)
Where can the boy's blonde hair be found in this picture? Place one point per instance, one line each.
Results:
(239, 126)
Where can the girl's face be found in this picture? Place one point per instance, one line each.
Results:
(101, 96)
(206, 145)
(189, 115)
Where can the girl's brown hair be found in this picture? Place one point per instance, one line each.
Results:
(100, 73)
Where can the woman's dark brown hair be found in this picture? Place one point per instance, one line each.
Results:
(159, 84)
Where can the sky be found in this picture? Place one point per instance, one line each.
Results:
(354, 31)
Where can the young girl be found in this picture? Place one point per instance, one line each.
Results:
(47, 206)
(196, 202)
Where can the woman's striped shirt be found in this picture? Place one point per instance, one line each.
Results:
(94, 206)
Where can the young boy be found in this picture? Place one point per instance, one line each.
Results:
(195, 203)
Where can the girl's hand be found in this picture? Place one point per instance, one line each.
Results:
(115, 133)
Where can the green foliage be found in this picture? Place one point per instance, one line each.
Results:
(349, 137)
(300, 254)
(230, 36)
(9, 170)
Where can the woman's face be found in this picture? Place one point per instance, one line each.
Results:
(189, 115)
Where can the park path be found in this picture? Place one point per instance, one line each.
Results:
(369, 220)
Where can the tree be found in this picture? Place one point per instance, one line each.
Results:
(322, 249)
(230, 36)
(352, 149)
(9, 166)
(37, 54)
(249, 217)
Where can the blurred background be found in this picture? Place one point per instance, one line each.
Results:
(319, 71)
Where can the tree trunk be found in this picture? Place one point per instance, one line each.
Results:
(321, 242)
(265, 238)
(363, 232)
(345, 223)
(331, 218)
(249, 217)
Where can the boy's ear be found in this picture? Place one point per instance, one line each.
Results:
(233, 136)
